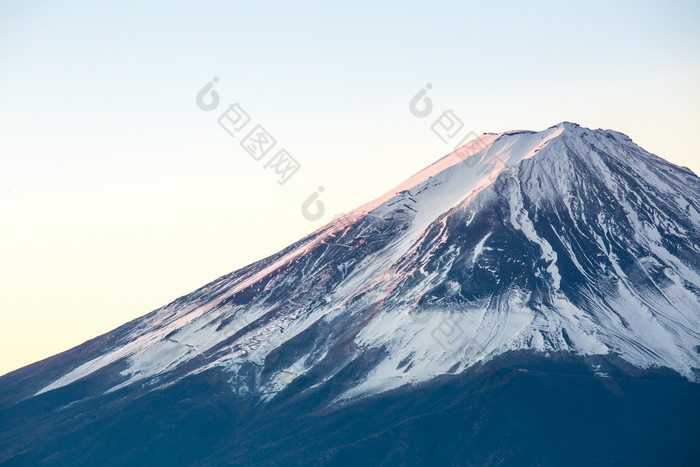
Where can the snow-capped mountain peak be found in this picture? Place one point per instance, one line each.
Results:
(564, 240)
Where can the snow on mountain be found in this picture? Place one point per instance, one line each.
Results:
(568, 239)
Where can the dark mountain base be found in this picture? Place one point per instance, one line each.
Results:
(517, 410)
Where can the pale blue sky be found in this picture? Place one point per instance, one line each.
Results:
(118, 194)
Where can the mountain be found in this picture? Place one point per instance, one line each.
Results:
(531, 298)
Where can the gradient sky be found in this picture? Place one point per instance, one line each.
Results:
(118, 194)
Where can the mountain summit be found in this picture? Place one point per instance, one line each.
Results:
(570, 247)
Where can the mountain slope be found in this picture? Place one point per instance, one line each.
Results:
(569, 242)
